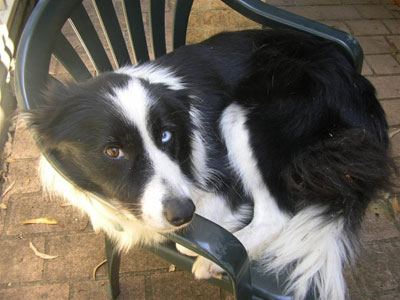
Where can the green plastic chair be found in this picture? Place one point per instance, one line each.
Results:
(43, 38)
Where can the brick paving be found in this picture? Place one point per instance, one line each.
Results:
(376, 275)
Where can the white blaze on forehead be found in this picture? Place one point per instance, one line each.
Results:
(134, 103)
(154, 74)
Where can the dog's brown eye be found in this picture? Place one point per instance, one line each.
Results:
(113, 152)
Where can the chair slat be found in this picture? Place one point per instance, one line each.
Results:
(67, 56)
(181, 18)
(157, 26)
(133, 17)
(35, 48)
(109, 21)
(90, 40)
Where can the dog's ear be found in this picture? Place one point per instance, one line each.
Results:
(48, 119)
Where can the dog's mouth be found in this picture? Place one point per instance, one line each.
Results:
(164, 227)
(172, 229)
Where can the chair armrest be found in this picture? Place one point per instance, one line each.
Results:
(202, 237)
(220, 246)
(274, 17)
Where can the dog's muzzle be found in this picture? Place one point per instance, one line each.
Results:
(178, 211)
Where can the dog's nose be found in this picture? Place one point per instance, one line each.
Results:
(178, 212)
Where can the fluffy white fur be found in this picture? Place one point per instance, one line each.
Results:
(319, 247)
(118, 224)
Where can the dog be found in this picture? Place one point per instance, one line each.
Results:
(271, 134)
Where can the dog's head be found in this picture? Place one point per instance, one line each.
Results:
(125, 138)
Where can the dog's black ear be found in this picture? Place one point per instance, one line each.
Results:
(47, 120)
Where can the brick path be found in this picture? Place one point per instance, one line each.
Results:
(375, 23)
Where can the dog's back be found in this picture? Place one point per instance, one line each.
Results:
(320, 133)
(320, 138)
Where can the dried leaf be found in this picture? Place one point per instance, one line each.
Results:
(395, 204)
(9, 188)
(96, 268)
(171, 268)
(46, 220)
(393, 133)
(381, 210)
(40, 254)
(3, 206)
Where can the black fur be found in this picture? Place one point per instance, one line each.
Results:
(318, 131)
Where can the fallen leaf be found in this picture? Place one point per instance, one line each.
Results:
(46, 220)
(393, 133)
(381, 210)
(96, 268)
(40, 254)
(171, 268)
(8, 189)
(3, 206)
(395, 204)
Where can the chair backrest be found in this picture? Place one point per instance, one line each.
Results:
(271, 16)
(43, 37)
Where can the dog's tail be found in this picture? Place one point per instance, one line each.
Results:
(332, 181)
(313, 250)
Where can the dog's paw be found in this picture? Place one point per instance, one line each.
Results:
(204, 268)
(185, 251)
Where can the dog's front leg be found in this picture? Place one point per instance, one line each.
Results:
(214, 207)
(202, 268)
(254, 237)
(186, 251)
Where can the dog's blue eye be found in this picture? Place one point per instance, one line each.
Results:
(166, 136)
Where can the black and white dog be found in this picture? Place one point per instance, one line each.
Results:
(271, 134)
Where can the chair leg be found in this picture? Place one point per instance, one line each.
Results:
(113, 264)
